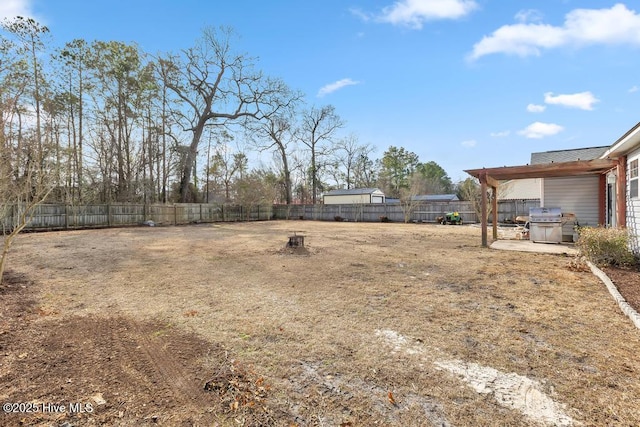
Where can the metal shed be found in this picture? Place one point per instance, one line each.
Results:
(353, 196)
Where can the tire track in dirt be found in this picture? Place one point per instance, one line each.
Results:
(151, 359)
(132, 372)
(166, 368)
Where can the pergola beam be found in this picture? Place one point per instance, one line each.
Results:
(546, 170)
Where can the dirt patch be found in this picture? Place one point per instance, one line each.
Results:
(215, 324)
(116, 371)
(627, 281)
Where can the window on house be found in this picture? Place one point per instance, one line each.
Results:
(633, 179)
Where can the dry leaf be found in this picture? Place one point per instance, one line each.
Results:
(391, 399)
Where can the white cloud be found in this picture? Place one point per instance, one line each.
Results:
(582, 100)
(530, 15)
(332, 87)
(633, 89)
(9, 9)
(360, 14)
(413, 13)
(534, 108)
(470, 143)
(500, 134)
(617, 25)
(539, 130)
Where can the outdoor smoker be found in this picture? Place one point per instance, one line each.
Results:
(545, 225)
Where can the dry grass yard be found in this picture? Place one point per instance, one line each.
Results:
(371, 324)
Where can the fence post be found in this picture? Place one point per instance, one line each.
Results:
(200, 212)
(175, 214)
(66, 217)
(108, 215)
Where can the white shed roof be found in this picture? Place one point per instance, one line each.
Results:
(353, 191)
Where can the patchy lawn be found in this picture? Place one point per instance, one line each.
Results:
(388, 324)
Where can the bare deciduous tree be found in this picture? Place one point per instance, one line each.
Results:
(254, 189)
(275, 130)
(316, 131)
(19, 200)
(408, 200)
(215, 86)
(349, 154)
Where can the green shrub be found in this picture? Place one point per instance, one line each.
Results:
(606, 246)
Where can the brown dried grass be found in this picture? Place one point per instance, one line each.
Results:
(306, 325)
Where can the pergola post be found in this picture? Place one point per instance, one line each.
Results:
(494, 209)
(483, 208)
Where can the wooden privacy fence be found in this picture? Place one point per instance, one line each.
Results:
(508, 210)
(59, 216)
(423, 212)
(56, 216)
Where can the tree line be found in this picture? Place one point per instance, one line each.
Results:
(103, 121)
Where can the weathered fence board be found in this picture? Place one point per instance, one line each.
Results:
(423, 212)
(508, 210)
(58, 216)
(55, 216)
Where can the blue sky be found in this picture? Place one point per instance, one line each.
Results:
(465, 83)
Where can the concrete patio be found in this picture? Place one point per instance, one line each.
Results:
(529, 246)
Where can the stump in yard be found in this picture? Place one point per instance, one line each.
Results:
(296, 241)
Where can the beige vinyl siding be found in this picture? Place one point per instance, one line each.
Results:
(577, 195)
(524, 189)
(347, 199)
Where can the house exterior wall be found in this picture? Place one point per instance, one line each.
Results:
(578, 195)
(633, 205)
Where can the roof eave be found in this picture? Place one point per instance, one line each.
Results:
(624, 144)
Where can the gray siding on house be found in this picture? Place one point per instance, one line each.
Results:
(577, 195)
(633, 209)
